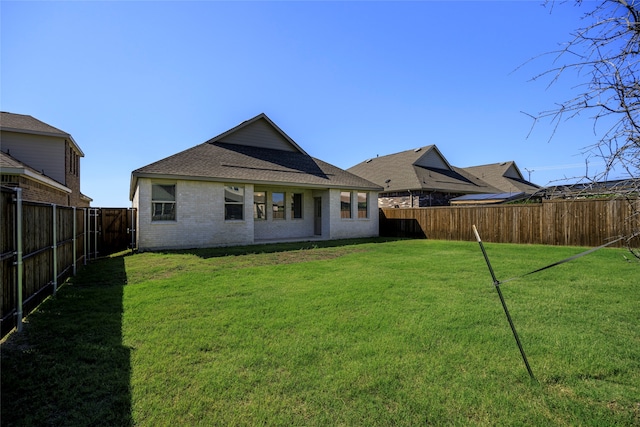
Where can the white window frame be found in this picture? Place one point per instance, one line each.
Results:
(233, 188)
(165, 204)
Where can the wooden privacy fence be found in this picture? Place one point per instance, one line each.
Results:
(588, 222)
(42, 244)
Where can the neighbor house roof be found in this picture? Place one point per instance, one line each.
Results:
(239, 155)
(504, 176)
(423, 168)
(486, 199)
(12, 166)
(21, 123)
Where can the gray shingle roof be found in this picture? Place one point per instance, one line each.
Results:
(218, 161)
(11, 165)
(11, 122)
(411, 170)
(504, 176)
(29, 124)
(399, 172)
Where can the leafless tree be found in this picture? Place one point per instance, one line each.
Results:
(605, 55)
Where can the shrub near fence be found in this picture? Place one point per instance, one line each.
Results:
(588, 222)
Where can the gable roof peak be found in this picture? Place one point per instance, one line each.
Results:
(432, 157)
(259, 131)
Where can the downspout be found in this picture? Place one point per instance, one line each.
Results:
(133, 229)
(19, 255)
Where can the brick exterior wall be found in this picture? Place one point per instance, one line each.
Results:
(415, 199)
(33, 191)
(354, 227)
(200, 217)
(72, 175)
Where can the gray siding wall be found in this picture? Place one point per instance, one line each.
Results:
(259, 134)
(42, 153)
(512, 173)
(432, 160)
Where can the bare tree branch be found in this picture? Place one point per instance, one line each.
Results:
(604, 57)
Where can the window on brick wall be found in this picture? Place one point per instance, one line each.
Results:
(277, 203)
(345, 204)
(363, 211)
(233, 202)
(259, 205)
(296, 205)
(163, 202)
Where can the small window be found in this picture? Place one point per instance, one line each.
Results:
(278, 205)
(296, 205)
(259, 205)
(233, 202)
(345, 204)
(163, 202)
(363, 211)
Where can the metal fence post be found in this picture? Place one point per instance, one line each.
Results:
(54, 248)
(19, 256)
(75, 231)
(85, 218)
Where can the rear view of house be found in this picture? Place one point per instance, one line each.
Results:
(249, 185)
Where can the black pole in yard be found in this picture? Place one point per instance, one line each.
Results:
(496, 283)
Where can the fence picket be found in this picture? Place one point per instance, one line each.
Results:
(53, 240)
(588, 222)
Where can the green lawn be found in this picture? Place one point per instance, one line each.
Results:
(353, 333)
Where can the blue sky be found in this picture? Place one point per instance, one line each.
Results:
(134, 82)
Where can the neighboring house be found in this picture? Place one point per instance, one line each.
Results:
(41, 159)
(423, 177)
(248, 185)
(629, 187)
(505, 176)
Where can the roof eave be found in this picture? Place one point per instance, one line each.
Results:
(136, 175)
(49, 182)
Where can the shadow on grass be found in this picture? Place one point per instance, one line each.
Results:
(268, 248)
(69, 365)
